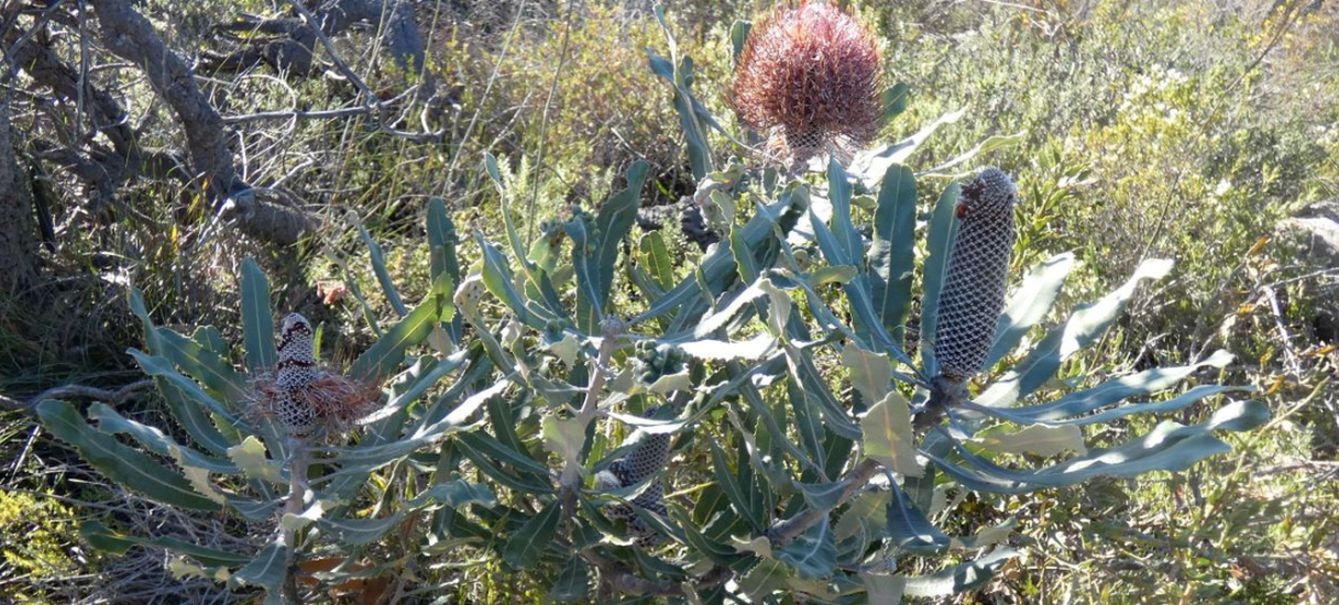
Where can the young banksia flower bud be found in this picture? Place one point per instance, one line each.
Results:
(809, 77)
(977, 276)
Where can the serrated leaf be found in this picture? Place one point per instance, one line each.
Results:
(251, 458)
(565, 437)
(528, 543)
(759, 545)
(887, 435)
(812, 554)
(126, 466)
(102, 538)
(765, 579)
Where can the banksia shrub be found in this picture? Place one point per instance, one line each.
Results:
(978, 274)
(809, 77)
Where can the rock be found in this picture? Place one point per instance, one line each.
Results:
(1317, 226)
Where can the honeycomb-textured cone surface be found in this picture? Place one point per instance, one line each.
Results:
(294, 375)
(978, 274)
(649, 457)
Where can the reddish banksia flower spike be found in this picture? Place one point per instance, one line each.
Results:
(809, 77)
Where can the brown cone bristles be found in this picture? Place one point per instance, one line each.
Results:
(302, 396)
(809, 77)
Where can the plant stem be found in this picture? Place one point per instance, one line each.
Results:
(297, 491)
(787, 530)
(570, 480)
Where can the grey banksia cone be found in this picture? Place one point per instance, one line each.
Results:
(974, 286)
(650, 455)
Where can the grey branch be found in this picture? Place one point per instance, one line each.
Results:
(129, 35)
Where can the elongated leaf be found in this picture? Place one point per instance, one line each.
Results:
(102, 538)
(126, 466)
(378, 260)
(891, 259)
(266, 570)
(765, 579)
(895, 101)
(943, 226)
(814, 553)
(729, 482)
(1119, 389)
(159, 367)
(1029, 304)
(1084, 326)
(848, 239)
(837, 419)
(718, 267)
(1036, 439)
(204, 366)
(909, 529)
(193, 418)
(959, 578)
(573, 583)
(257, 320)
(656, 258)
(1169, 447)
(528, 543)
(887, 435)
(442, 242)
(112, 423)
(387, 354)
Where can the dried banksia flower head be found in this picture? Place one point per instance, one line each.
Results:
(809, 77)
(303, 396)
(978, 273)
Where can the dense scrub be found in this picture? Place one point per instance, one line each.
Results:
(1162, 130)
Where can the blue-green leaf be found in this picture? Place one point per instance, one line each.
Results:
(528, 543)
(1084, 326)
(387, 354)
(892, 257)
(257, 319)
(1029, 304)
(126, 466)
(909, 529)
(813, 553)
(959, 578)
(943, 225)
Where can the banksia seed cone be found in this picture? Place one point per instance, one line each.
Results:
(301, 395)
(810, 77)
(978, 273)
(649, 457)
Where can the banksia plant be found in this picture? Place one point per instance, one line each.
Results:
(808, 77)
(566, 340)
